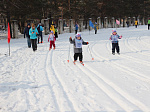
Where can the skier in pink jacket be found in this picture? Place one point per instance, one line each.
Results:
(52, 40)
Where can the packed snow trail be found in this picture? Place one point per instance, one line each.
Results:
(44, 81)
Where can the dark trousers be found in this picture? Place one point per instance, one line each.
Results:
(148, 26)
(115, 46)
(76, 31)
(135, 26)
(29, 42)
(34, 44)
(76, 55)
(40, 36)
(56, 35)
(95, 31)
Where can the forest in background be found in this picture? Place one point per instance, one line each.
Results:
(23, 10)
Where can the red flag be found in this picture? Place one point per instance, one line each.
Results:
(9, 36)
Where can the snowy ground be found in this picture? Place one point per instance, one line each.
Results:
(44, 81)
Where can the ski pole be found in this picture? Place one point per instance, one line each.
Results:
(68, 53)
(90, 52)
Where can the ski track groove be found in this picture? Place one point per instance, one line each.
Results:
(117, 89)
(130, 71)
(132, 48)
(148, 45)
(49, 64)
(102, 87)
(82, 74)
(130, 57)
(28, 94)
(70, 104)
(49, 83)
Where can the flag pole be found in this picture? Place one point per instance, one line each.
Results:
(89, 29)
(9, 49)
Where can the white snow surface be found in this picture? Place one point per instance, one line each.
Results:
(43, 81)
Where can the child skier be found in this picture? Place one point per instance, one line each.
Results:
(52, 40)
(78, 42)
(114, 38)
(56, 34)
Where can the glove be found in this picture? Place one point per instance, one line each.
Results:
(36, 33)
(87, 42)
(70, 38)
(120, 37)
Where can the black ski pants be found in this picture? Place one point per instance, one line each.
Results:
(148, 26)
(76, 31)
(115, 46)
(76, 55)
(95, 31)
(40, 36)
(34, 44)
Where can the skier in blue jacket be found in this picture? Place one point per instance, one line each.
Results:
(33, 32)
(114, 39)
(40, 29)
(76, 28)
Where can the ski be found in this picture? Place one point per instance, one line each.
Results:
(74, 62)
(80, 63)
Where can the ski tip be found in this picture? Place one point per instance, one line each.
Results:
(68, 61)
(92, 58)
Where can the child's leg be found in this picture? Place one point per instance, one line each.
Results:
(75, 56)
(54, 44)
(50, 44)
(80, 56)
(113, 47)
(117, 48)
(35, 44)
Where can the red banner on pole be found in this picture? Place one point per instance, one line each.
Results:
(9, 36)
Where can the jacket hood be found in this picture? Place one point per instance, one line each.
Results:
(28, 24)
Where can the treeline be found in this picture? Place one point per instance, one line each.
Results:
(23, 10)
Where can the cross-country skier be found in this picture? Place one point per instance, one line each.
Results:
(115, 45)
(33, 32)
(78, 42)
(148, 23)
(51, 39)
(40, 29)
(95, 28)
(56, 34)
(26, 33)
(136, 24)
(76, 28)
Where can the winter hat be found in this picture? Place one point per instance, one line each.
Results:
(114, 31)
(78, 35)
(28, 24)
